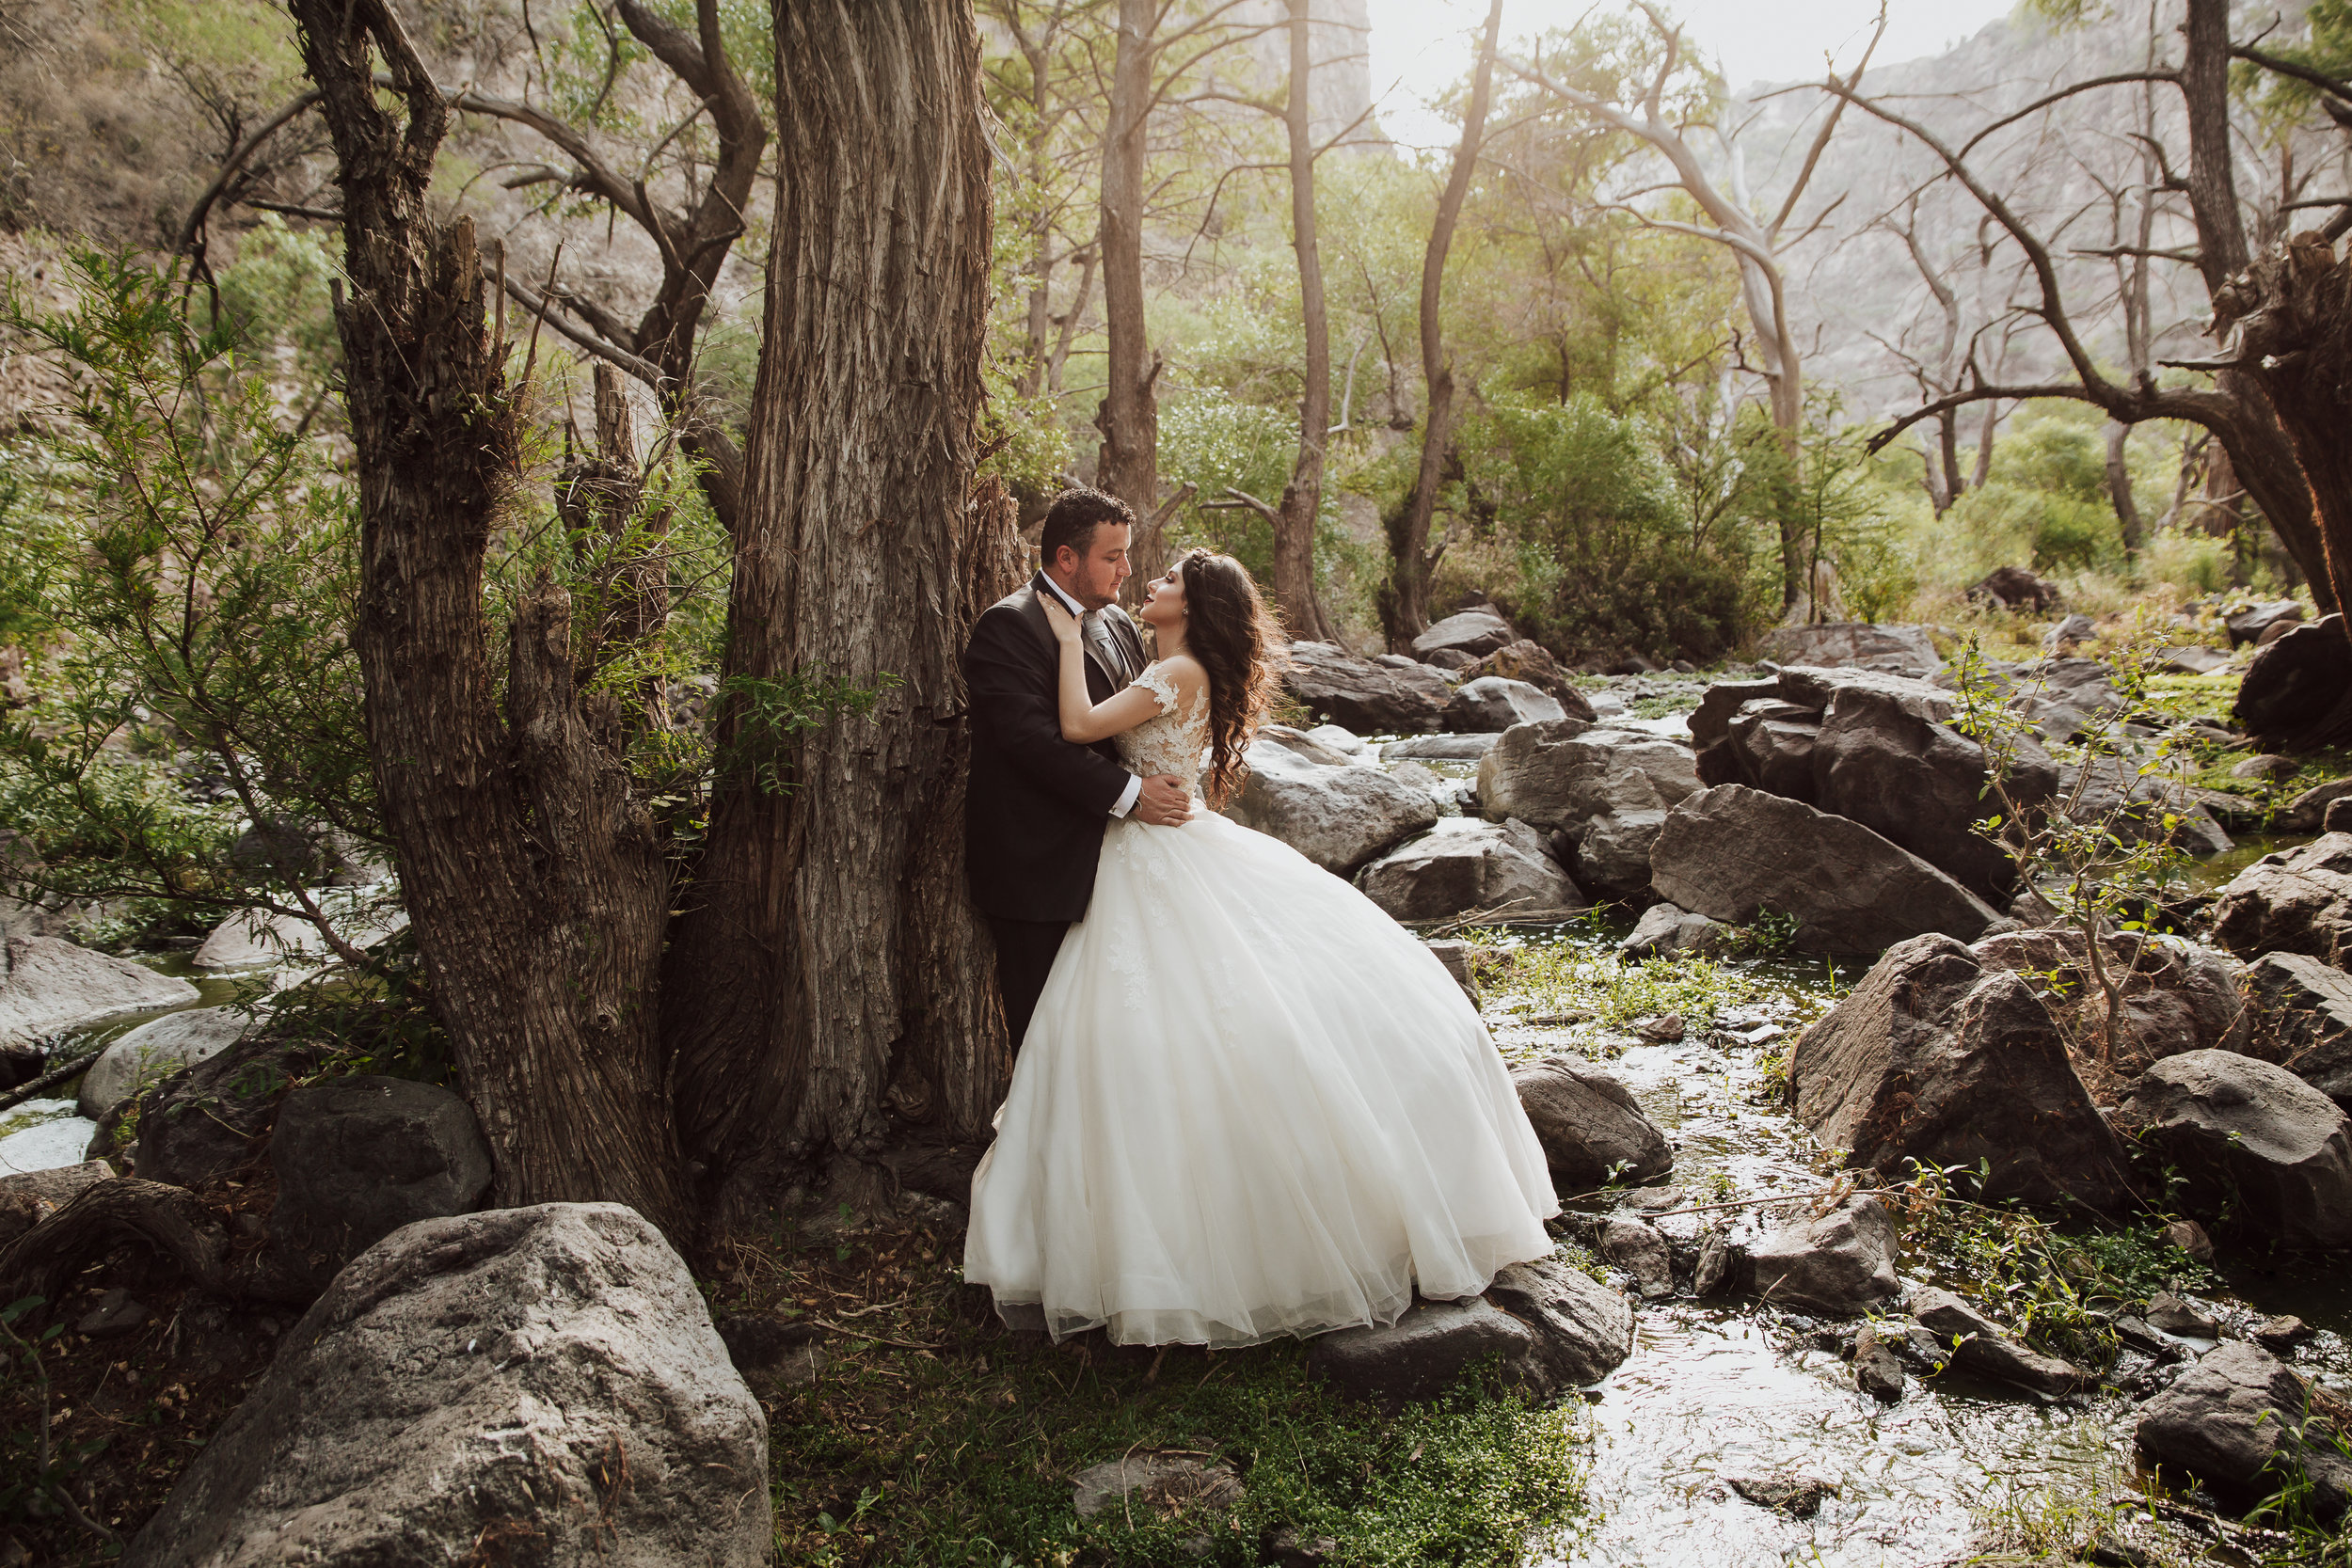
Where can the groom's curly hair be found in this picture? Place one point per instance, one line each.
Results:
(1240, 645)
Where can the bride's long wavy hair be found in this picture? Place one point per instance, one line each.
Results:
(1227, 629)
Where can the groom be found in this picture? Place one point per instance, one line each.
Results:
(1037, 805)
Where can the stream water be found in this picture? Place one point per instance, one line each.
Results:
(1713, 1390)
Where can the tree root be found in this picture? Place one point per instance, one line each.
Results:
(172, 1220)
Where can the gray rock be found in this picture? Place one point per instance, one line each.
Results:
(1770, 745)
(2298, 900)
(358, 1157)
(1464, 866)
(2174, 995)
(2172, 1314)
(1642, 1253)
(1919, 783)
(201, 1125)
(1584, 1330)
(1836, 1264)
(50, 987)
(1331, 809)
(1896, 650)
(1455, 956)
(2062, 637)
(1723, 1266)
(1710, 721)
(1878, 1371)
(1150, 1478)
(1589, 1125)
(1937, 1057)
(1668, 928)
(2013, 588)
(2247, 626)
(2308, 1008)
(2111, 792)
(2254, 1139)
(1490, 705)
(468, 1376)
(2192, 661)
(1532, 662)
(2282, 1334)
(257, 940)
(28, 1197)
(1608, 790)
(1369, 699)
(2190, 1238)
(1438, 748)
(2306, 811)
(1475, 632)
(1286, 1547)
(2228, 1417)
(1730, 852)
(116, 1315)
(1453, 661)
(1426, 1351)
(153, 1052)
(1977, 1344)
(1811, 687)
(1335, 737)
(1429, 683)
(2267, 768)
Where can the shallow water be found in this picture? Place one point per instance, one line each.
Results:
(42, 1134)
(1716, 1390)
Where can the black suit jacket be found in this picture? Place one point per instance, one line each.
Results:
(1036, 805)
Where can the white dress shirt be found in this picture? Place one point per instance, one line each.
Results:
(1134, 786)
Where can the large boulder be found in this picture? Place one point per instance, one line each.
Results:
(205, 1123)
(1532, 663)
(2247, 625)
(1731, 852)
(2308, 811)
(1978, 1345)
(1607, 791)
(2111, 792)
(154, 1050)
(257, 939)
(1475, 632)
(1836, 1263)
(2173, 996)
(2252, 1139)
(1323, 804)
(2296, 695)
(1426, 1352)
(1340, 689)
(1921, 784)
(1491, 703)
(1590, 1130)
(49, 987)
(2307, 1008)
(2240, 1421)
(2013, 588)
(544, 1375)
(1429, 683)
(1939, 1057)
(1897, 650)
(358, 1157)
(1769, 745)
(1584, 1328)
(1438, 748)
(1464, 866)
(2298, 900)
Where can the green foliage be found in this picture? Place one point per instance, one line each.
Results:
(189, 615)
(769, 713)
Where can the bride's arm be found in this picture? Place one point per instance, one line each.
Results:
(1082, 719)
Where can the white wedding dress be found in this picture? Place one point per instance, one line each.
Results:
(1250, 1103)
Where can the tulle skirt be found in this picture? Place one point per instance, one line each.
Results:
(1249, 1104)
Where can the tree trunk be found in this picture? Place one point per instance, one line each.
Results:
(2260, 451)
(1410, 560)
(1129, 418)
(537, 887)
(2120, 488)
(1302, 497)
(831, 954)
(2293, 312)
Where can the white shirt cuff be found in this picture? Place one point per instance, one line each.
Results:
(1127, 797)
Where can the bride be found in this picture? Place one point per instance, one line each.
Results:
(1249, 1102)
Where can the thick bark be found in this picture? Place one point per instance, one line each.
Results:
(1302, 497)
(1129, 418)
(2292, 309)
(828, 945)
(536, 886)
(1410, 558)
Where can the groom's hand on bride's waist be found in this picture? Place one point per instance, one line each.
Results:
(1165, 802)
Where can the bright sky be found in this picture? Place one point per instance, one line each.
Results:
(1419, 46)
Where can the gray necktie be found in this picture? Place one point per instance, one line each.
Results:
(1106, 647)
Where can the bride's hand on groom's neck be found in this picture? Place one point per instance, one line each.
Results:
(1064, 623)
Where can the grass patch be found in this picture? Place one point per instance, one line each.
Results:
(943, 1439)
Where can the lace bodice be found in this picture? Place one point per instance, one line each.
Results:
(1174, 740)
